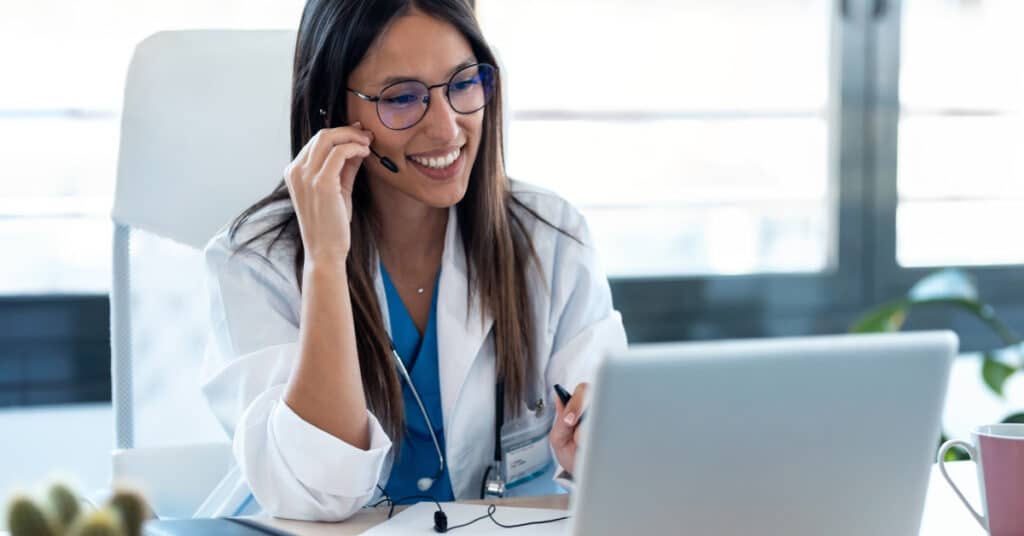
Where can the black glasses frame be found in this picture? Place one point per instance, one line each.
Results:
(426, 98)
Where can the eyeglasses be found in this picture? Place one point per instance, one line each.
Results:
(403, 104)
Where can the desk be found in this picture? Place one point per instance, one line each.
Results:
(943, 512)
(370, 517)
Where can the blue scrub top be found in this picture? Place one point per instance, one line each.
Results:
(417, 455)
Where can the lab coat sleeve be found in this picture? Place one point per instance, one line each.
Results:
(295, 470)
(585, 324)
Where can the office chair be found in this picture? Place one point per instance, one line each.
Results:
(204, 134)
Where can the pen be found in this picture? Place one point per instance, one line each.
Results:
(565, 397)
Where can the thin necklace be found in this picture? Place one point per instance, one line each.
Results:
(419, 290)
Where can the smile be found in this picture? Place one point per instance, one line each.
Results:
(439, 162)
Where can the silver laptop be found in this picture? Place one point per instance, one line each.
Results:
(795, 436)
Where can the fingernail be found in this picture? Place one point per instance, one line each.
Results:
(357, 124)
(570, 418)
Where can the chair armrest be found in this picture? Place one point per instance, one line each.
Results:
(174, 479)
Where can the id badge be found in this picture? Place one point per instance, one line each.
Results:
(526, 454)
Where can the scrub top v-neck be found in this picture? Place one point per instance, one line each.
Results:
(417, 457)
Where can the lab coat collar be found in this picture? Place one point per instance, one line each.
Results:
(461, 330)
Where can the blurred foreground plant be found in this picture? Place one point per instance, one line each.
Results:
(59, 514)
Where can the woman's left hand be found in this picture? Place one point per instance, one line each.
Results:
(565, 434)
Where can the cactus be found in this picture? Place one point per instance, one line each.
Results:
(122, 515)
(63, 505)
(102, 522)
(25, 518)
(133, 510)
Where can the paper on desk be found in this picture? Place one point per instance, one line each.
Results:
(419, 519)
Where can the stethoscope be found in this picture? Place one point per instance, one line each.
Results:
(493, 485)
(494, 482)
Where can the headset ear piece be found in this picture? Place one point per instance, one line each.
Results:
(440, 522)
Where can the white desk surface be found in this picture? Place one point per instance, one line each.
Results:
(943, 512)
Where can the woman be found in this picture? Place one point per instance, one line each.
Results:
(396, 227)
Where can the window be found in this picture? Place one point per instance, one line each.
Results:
(693, 134)
(59, 123)
(777, 158)
(961, 134)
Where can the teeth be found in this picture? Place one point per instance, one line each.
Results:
(437, 162)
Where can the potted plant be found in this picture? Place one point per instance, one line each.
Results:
(954, 288)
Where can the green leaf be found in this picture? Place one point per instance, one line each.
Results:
(995, 373)
(1015, 418)
(887, 317)
(953, 454)
(956, 454)
(949, 288)
(983, 312)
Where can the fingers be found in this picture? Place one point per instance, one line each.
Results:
(326, 139)
(351, 154)
(304, 157)
(564, 429)
(561, 434)
(306, 169)
(571, 415)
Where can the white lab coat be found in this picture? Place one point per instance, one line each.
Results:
(296, 470)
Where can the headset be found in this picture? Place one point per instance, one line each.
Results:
(384, 161)
(441, 518)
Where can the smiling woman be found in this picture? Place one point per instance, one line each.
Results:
(337, 372)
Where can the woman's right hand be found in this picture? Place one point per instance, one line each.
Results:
(320, 181)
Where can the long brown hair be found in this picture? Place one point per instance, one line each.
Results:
(333, 37)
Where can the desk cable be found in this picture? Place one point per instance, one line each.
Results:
(441, 519)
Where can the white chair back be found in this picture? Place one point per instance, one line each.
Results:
(204, 134)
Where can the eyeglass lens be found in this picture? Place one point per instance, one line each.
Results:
(402, 105)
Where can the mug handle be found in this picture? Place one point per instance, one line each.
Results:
(973, 454)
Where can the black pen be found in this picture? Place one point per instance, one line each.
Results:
(565, 397)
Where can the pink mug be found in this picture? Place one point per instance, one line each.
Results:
(998, 451)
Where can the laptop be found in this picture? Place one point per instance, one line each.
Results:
(792, 436)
